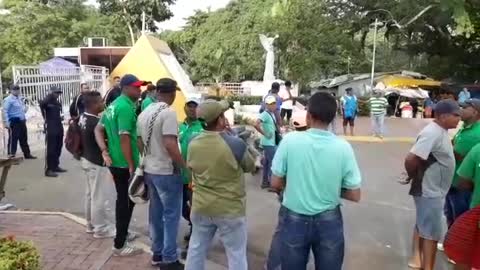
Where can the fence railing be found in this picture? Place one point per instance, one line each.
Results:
(35, 82)
(231, 88)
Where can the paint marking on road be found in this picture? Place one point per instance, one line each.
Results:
(372, 139)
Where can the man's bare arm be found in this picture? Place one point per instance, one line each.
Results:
(101, 142)
(465, 184)
(277, 183)
(127, 152)
(258, 127)
(353, 195)
(412, 163)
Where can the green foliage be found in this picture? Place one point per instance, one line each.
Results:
(130, 12)
(319, 39)
(16, 255)
(31, 29)
(363, 106)
(246, 100)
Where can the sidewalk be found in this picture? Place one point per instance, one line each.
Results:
(64, 245)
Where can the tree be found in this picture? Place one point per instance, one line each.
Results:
(130, 13)
(54, 24)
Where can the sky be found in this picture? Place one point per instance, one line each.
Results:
(185, 8)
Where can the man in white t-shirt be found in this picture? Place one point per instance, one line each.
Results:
(287, 105)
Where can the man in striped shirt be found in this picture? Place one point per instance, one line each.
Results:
(378, 108)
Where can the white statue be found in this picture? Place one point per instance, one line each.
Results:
(267, 44)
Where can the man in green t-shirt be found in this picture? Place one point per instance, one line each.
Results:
(469, 176)
(116, 135)
(189, 129)
(458, 201)
(149, 97)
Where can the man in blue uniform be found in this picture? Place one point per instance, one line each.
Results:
(15, 122)
(52, 114)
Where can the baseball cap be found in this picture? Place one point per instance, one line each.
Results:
(472, 102)
(131, 80)
(167, 85)
(14, 87)
(192, 100)
(349, 89)
(55, 89)
(270, 100)
(210, 109)
(447, 106)
(299, 119)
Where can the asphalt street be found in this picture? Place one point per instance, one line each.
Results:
(378, 229)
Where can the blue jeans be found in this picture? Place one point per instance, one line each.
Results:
(322, 233)
(457, 202)
(274, 259)
(268, 154)
(378, 124)
(164, 213)
(233, 234)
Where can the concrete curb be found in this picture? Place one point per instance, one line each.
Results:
(209, 264)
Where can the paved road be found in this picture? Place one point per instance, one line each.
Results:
(377, 230)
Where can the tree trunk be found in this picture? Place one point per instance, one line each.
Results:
(129, 25)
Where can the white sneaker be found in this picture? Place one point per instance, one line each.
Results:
(103, 235)
(132, 236)
(127, 250)
(440, 247)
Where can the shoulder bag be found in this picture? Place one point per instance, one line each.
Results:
(137, 189)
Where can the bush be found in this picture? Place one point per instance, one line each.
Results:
(18, 255)
(363, 106)
(246, 100)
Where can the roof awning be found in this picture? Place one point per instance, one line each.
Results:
(406, 82)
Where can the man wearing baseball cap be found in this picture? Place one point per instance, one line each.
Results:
(117, 127)
(458, 201)
(16, 123)
(430, 166)
(162, 165)
(189, 129)
(52, 115)
(218, 162)
(267, 126)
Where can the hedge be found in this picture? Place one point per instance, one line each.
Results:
(246, 100)
(18, 255)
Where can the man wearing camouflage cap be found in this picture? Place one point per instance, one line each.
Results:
(218, 162)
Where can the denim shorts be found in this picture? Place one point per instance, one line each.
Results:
(429, 213)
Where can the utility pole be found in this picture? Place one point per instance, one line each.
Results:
(374, 52)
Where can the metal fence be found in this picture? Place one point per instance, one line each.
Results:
(35, 82)
(232, 88)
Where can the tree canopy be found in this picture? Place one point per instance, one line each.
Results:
(317, 38)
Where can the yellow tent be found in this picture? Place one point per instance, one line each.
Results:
(151, 59)
(400, 82)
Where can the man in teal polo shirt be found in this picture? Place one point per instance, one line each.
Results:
(118, 127)
(457, 201)
(313, 189)
(188, 130)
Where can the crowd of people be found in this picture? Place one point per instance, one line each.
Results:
(138, 130)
